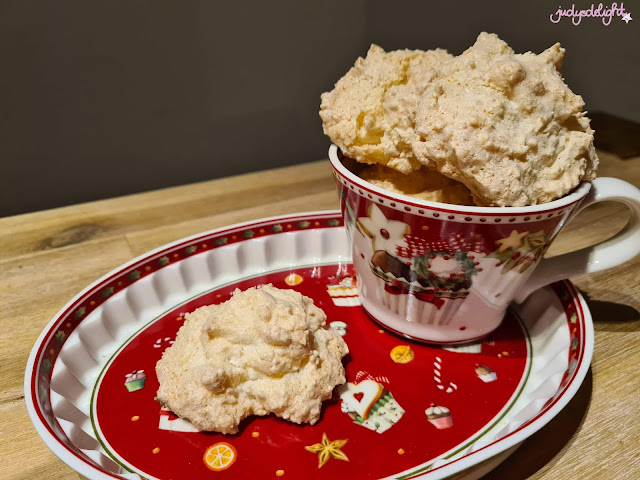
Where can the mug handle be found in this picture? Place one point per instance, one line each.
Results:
(610, 253)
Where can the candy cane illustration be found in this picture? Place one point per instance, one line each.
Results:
(447, 386)
(160, 342)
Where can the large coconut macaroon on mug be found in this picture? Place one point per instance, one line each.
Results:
(445, 273)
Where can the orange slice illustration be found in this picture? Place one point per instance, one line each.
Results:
(220, 456)
(293, 279)
(402, 354)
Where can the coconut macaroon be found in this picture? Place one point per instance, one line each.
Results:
(265, 350)
(506, 125)
(503, 124)
(424, 184)
(370, 112)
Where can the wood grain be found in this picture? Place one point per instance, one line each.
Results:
(47, 257)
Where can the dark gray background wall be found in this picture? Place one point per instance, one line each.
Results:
(99, 99)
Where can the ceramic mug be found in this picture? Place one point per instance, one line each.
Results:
(445, 273)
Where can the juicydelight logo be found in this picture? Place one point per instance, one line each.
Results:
(604, 12)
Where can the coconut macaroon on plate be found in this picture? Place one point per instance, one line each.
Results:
(408, 410)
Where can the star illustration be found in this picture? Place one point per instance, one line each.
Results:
(385, 234)
(327, 450)
(626, 18)
(514, 240)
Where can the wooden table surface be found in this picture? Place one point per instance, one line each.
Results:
(49, 256)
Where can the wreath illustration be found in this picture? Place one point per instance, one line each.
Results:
(417, 277)
(454, 281)
(429, 270)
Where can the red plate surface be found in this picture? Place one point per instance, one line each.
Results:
(127, 422)
(412, 384)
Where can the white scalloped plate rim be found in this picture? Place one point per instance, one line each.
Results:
(488, 455)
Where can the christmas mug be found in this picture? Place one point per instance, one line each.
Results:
(445, 273)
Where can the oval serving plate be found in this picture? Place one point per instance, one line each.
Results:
(409, 410)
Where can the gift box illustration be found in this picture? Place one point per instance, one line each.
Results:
(170, 421)
(343, 291)
(370, 404)
(135, 380)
